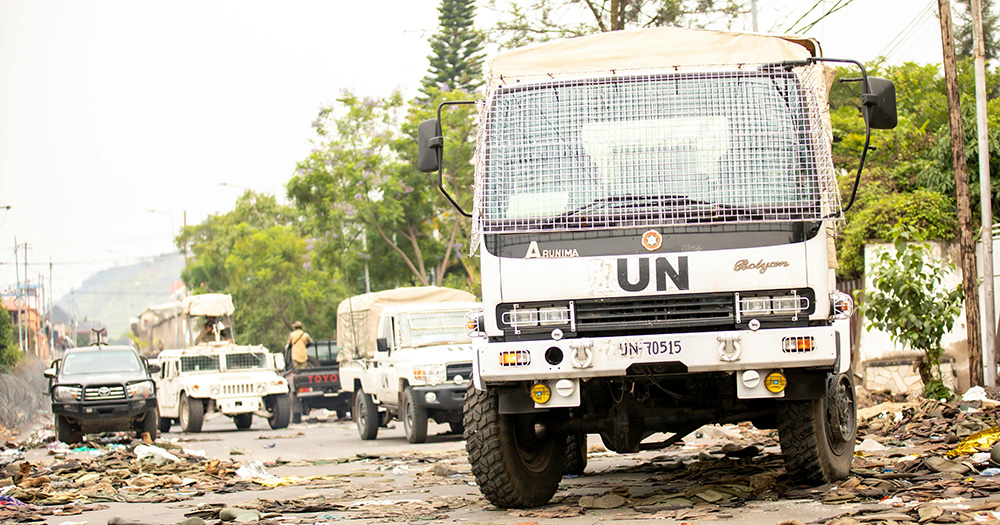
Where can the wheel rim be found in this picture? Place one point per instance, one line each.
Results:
(183, 416)
(362, 417)
(840, 413)
(407, 415)
(532, 441)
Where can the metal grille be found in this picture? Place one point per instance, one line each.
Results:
(651, 314)
(435, 328)
(199, 363)
(245, 361)
(464, 370)
(237, 389)
(737, 145)
(104, 393)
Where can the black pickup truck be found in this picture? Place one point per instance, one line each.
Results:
(317, 385)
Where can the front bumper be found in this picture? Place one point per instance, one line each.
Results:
(689, 352)
(104, 412)
(442, 397)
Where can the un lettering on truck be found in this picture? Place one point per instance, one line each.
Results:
(654, 214)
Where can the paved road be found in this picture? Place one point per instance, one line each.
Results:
(426, 480)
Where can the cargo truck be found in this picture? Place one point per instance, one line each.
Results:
(654, 212)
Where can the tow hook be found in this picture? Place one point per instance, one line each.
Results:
(583, 356)
(729, 347)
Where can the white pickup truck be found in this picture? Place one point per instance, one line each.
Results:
(406, 354)
(217, 377)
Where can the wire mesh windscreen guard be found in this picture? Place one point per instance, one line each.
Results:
(737, 144)
(434, 328)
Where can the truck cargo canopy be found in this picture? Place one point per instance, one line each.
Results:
(358, 316)
(647, 49)
(209, 304)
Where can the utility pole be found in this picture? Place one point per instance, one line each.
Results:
(986, 233)
(17, 299)
(753, 14)
(968, 254)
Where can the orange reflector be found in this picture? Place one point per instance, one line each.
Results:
(797, 344)
(514, 358)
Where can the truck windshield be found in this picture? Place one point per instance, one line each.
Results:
(435, 328)
(246, 361)
(111, 361)
(651, 150)
(200, 363)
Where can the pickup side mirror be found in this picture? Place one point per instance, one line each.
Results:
(49, 373)
(382, 344)
(430, 144)
(153, 368)
(879, 102)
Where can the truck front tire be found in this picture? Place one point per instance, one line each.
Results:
(281, 411)
(243, 421)
(576, 453)
(365, 415)
(192, 414)
(817, 436)
(148, 424)
(515, 464)
(414, 418)
(163, 424)
(66, 431)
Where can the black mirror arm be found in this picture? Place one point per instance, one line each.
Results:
(438, 144)
(867, 100)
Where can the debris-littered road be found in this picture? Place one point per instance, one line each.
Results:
(918, 461)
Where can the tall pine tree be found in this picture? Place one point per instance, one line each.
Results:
(964, 43)
(456, 50)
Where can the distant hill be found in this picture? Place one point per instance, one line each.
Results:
(116, 295)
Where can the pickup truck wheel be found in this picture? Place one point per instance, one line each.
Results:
(66, 431)
(163, 425)
(296, 417)
(365, 415)
(243, 421)
(414, 418)
(149, 424)
(817, 436)
(517, 463)
(576, 453)
(281, 410)
(192, 414)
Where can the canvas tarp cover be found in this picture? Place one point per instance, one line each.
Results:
(358, 316)
(209, 304)
(646, 49)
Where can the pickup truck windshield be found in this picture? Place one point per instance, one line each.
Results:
(651, 150)
(111, 361)
(435, 328)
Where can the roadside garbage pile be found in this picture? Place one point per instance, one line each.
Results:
(917, 461)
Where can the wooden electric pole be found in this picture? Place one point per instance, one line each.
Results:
(968, 255)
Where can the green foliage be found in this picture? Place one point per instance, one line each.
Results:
(360, 188)
(10, 354)
(456, 50)
(879, 212)
(524, 22)
(258, 254)
(908, 301)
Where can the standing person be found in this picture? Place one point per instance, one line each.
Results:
(298, 340)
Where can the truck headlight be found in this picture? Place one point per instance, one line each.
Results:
(260, 388)
(430, 373)
(553, 316)
(66, 393)
(141, 389)
(214, 390)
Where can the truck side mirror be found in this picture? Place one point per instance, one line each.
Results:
(49, 373)
(381, 344)
(153, 368)
(279, 361)
(430, 142)
(879, 102)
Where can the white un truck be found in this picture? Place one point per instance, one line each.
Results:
(406, 354)
(654, 213)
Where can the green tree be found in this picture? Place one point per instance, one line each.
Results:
(258, 254)
(360, 182)
(10, 354)
(908, 301)
(539, 20)
(456, 49)
(964, 43)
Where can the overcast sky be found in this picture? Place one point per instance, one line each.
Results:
(112, 108)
